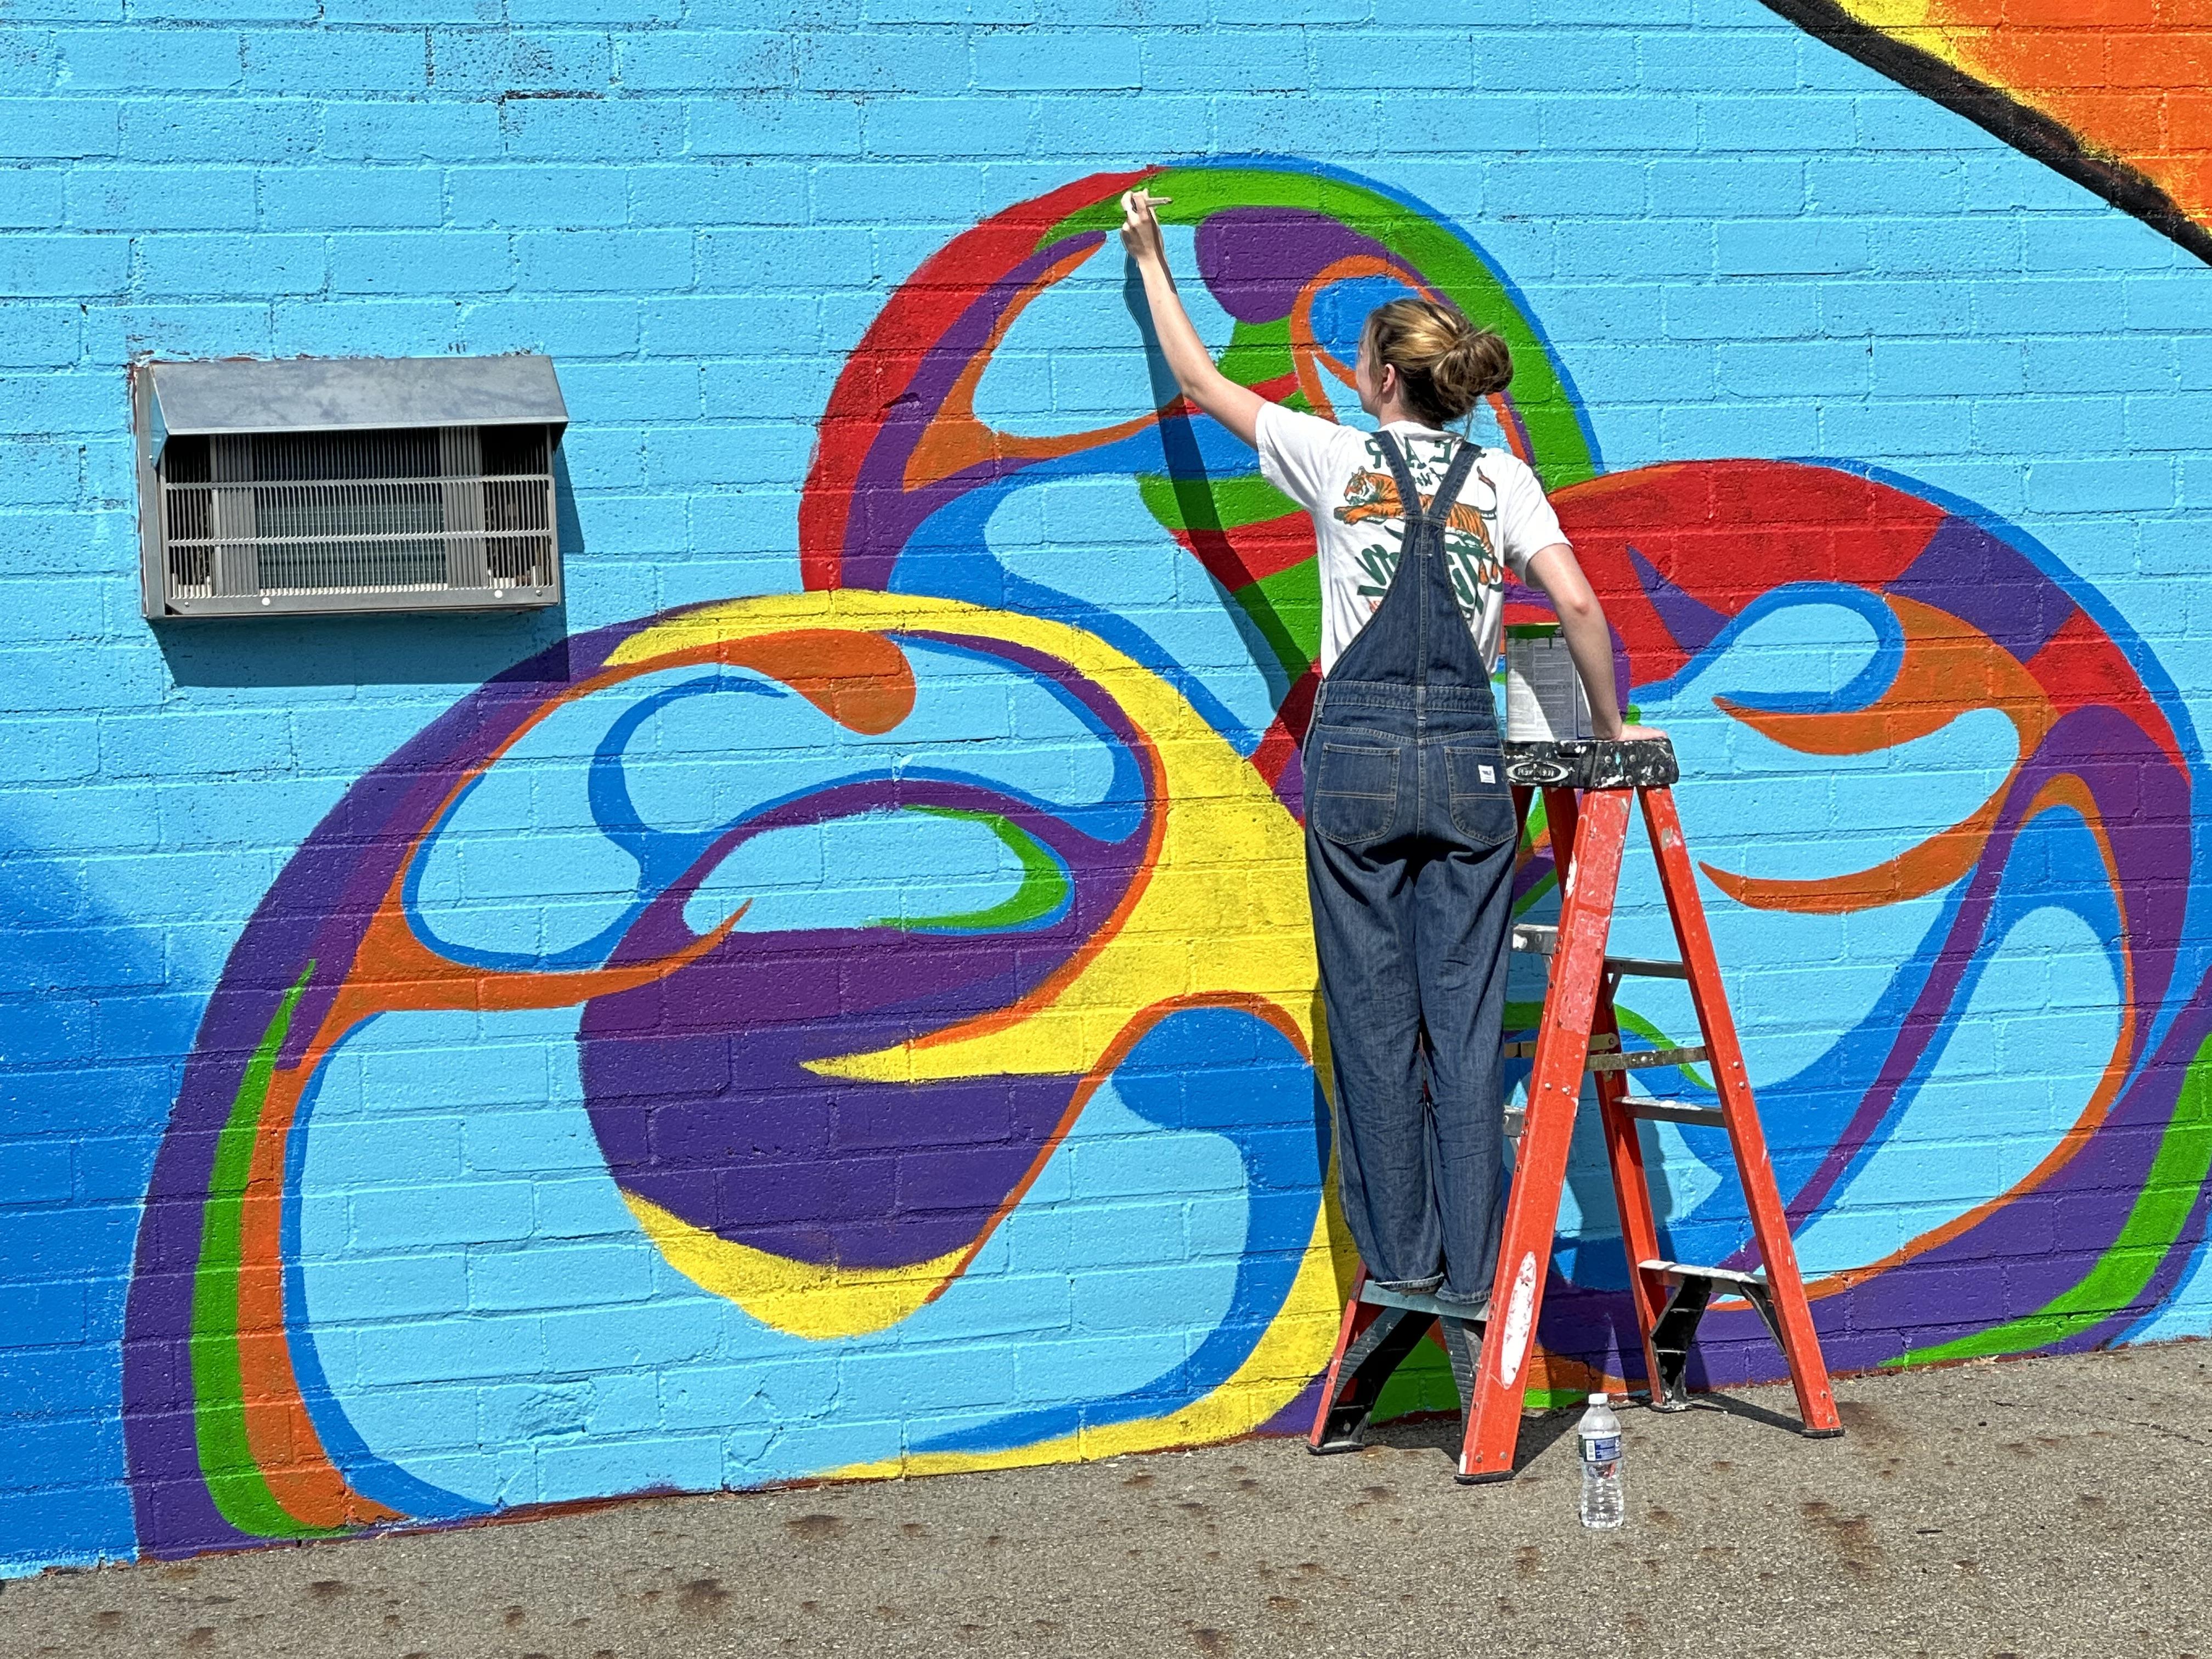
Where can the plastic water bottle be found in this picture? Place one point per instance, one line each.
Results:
(1602, 1505)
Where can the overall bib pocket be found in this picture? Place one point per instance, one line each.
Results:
(1354, 795)
(1481, 800)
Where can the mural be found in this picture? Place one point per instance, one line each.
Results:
(870, 1029)
(2111, 96)
(826, 1124)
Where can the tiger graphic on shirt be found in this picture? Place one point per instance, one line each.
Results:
(1370, 497)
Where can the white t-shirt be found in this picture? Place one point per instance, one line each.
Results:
(1340, 476)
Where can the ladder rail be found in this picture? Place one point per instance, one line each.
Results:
(1359, 1315)
(1632, 1189)
(1595, 833)
(1800, 1342)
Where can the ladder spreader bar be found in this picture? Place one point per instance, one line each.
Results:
(1604, 1057)
(1718, 1275)
(1544, 940)
(1666, 1111)
(1646, 966)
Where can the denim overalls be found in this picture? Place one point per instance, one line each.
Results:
(1409, 841)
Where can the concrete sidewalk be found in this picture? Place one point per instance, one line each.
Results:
(2048, 1508)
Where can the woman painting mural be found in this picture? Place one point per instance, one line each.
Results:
(1410, 826)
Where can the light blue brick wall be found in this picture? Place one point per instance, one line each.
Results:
(1736, 245)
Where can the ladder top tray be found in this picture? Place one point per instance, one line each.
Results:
(1376, 1296)
(1590, 763)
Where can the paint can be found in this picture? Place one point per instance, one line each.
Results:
(1544, 701)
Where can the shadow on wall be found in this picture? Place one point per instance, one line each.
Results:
(424, 647)
(88, 1036)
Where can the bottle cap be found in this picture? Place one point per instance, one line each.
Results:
(1600, 1400)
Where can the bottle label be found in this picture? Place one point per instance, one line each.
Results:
(1602, 1449)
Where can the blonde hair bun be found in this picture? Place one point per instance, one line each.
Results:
(1445, 363)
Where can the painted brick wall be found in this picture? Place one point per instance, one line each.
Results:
(394, 1130)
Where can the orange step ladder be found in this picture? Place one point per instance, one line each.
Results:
(1587, 788)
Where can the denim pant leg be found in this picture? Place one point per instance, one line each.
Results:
(1465, 898)
(1363, 917)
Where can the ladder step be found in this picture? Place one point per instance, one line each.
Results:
(1646, 1059)
(1604, 1057)
(1666, 1111)
(1544, 939)
(1603, 1044)
(1756, 1278)
(1376, 1296)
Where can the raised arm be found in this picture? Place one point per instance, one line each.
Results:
(1235, 407)
(1589, 641)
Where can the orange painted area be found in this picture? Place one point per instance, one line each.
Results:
(862, 681)
(1925, 867)
(299, 1473)
(1307, 353)
(956, 440)
(2063, 791)
(1947, 668)
(2128, 77)
(392, 971)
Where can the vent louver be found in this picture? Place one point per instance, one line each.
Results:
(291, 487)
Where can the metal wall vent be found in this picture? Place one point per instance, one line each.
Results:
(395, 483)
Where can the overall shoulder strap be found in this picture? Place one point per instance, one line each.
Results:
(1409, 497)
(1447, 496)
